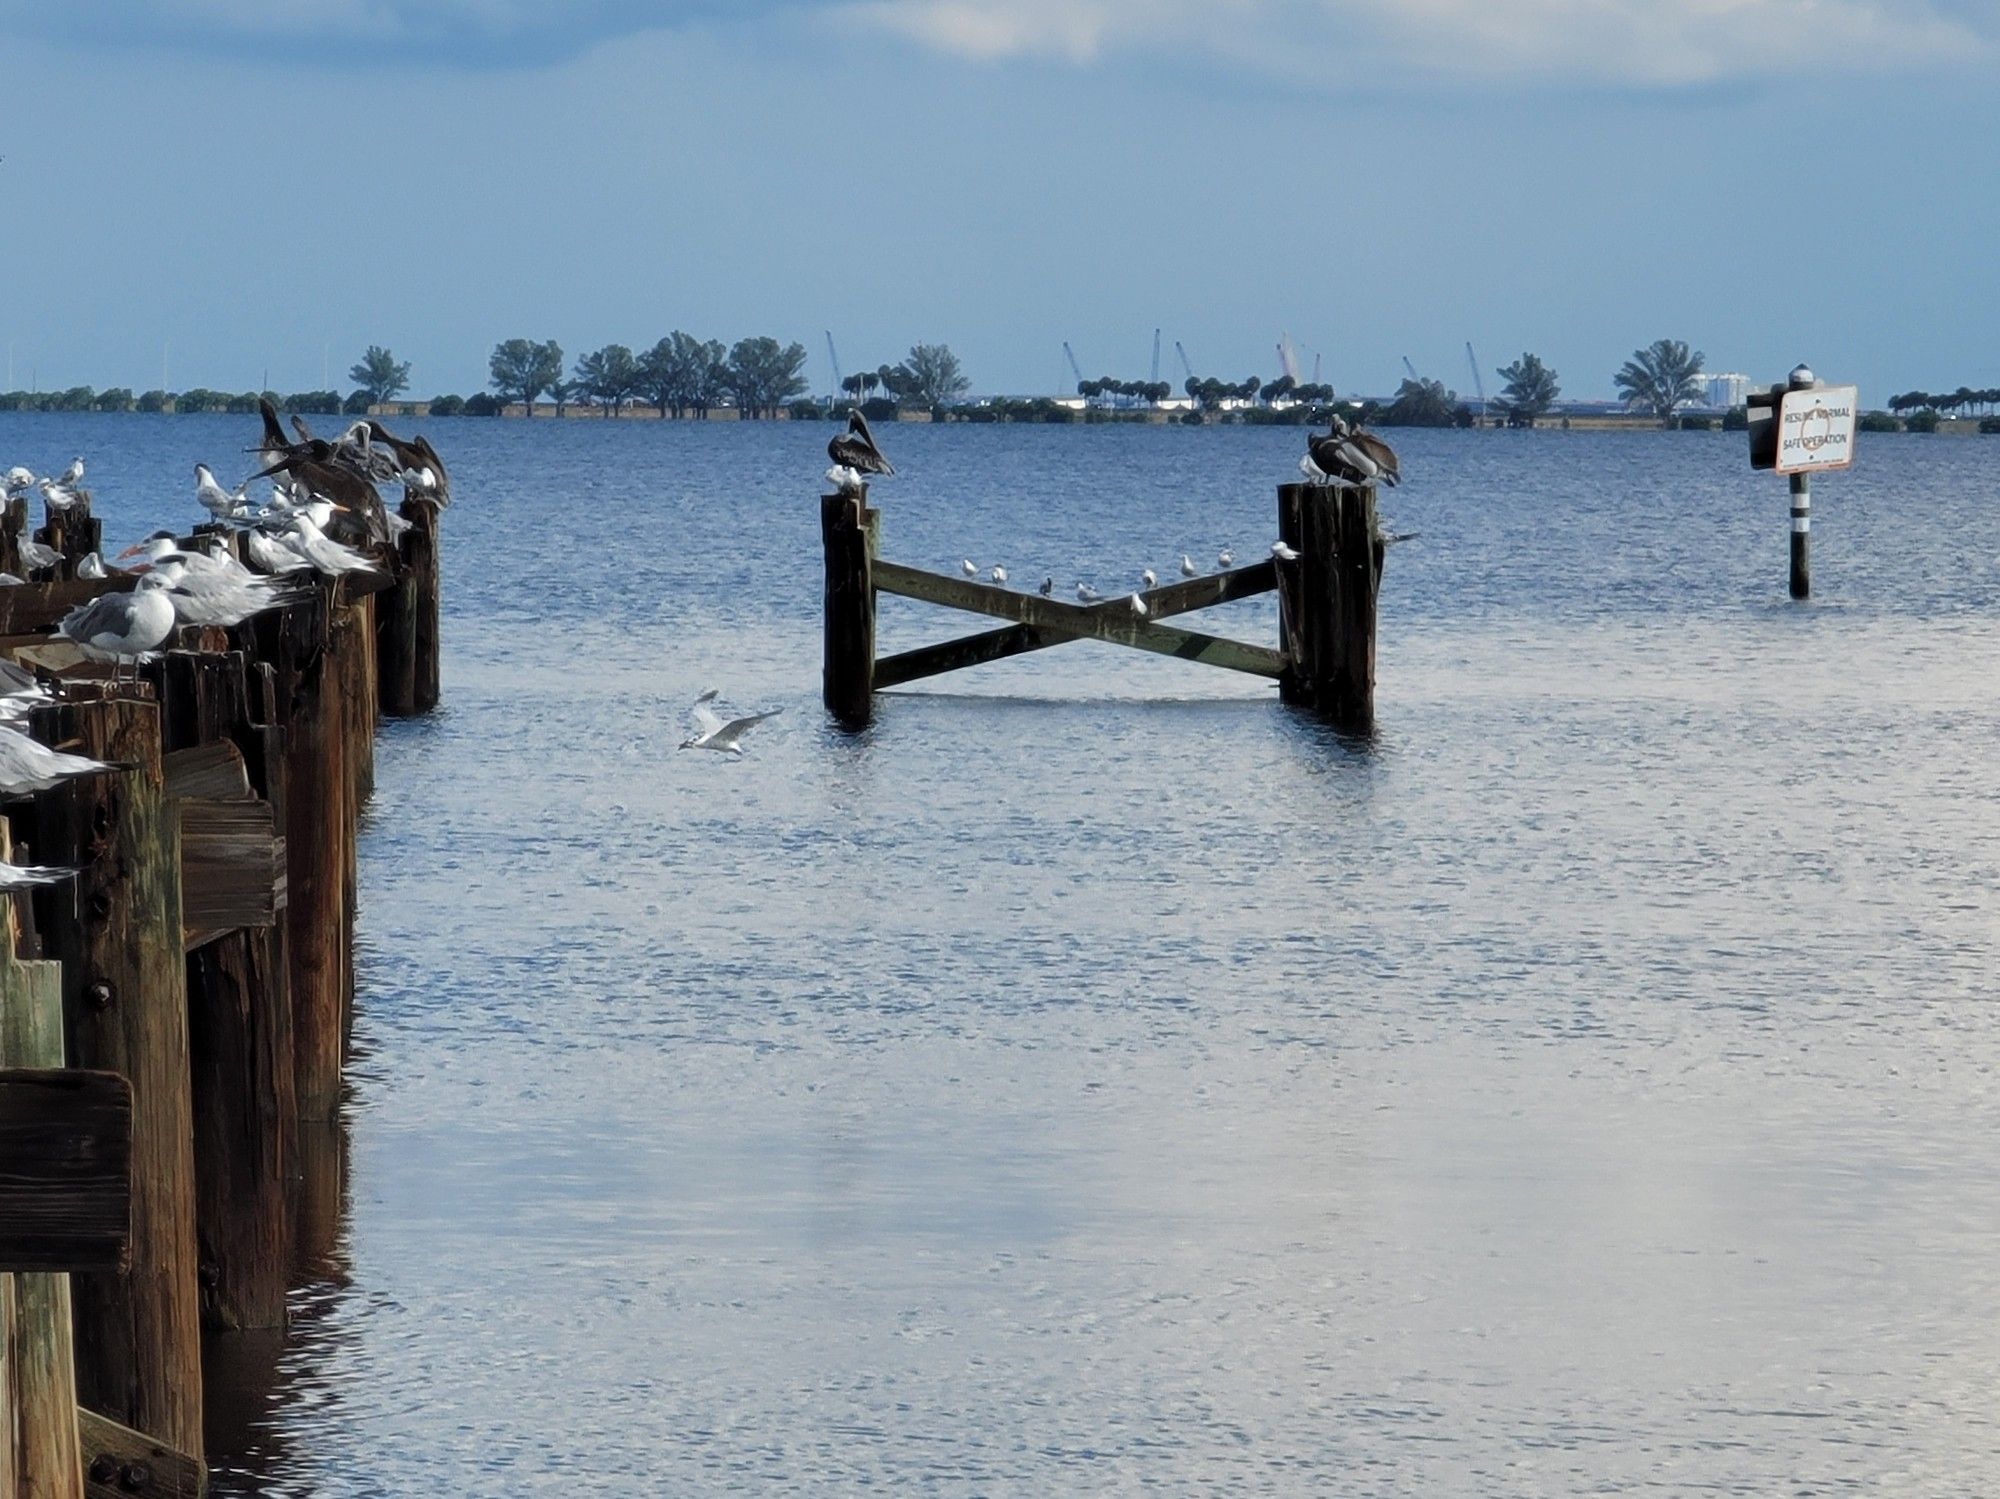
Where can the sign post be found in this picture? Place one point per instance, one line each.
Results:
(1799, 427)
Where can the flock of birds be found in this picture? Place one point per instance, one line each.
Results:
(1344, 456)
(320, 517)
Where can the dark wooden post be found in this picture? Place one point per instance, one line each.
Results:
(116, 930)
(74, 532)
(13, 526)
(407, 618)
(239, 1032)
(43, 1451)
(1327, 601)
(849, 530)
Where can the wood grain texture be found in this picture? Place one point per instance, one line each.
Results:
(65, 1169)
(120, 1463)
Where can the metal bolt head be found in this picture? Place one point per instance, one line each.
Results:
(134, 1477)
(1803, 378)
(98, 995)
(103, 1468)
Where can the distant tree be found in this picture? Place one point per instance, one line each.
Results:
(380, 374)
(76, 398)
(313, 402)
(153, 401)
(1925, 420)
(677, 374)
(521, 369)
(933, 375)
(446, 405)
(481, 404)
(244, 403)
(1531, 390)
(854, 385)
(356, 404)
(118, 398)
(763, 374)
(1280, 388)
(1664, 375)
(1421, 403)
(608, 376)
(563, 390)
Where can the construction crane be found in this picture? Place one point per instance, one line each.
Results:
(1288, 362)
(1478, 384)
(1315, 369)
(1412, 369)
(1184, 359)
(1156, 356)
(834, 360)
(1074, 369)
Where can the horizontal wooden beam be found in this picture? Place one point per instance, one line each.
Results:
(120, 1463)
(229, 865)
(1111, 621)
(1018, 640)
(35, 608)
(65, 1169)
(214, 771)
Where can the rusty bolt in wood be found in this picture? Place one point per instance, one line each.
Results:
(99, 995)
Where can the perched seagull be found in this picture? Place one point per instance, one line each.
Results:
(37, 555)
(1148, 579)
(214, 498)
(18, 481)
(73, 475)
(218, 590)
(121, 627)
(1086, 594)
(324, 553)
(1188, 568)
(20, 690)
(969, 568)
(56, 495)
(29, 765)
(1048, 585)
(1138, 606)
(854, 455)
(999, 574)
(92, 566)
(10, 580)
(270, 554)
(1225, 558)
(714, 734)
(21, 876)
(1283, 553)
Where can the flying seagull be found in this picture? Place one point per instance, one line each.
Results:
(854, 454)
(713, 734)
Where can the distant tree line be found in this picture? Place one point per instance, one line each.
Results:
(1964, 399)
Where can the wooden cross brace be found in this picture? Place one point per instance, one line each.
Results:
(1041, 622)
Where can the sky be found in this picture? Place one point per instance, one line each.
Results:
(235, 193)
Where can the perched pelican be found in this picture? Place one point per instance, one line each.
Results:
(854, 454)
(1188, 569)
(1346, 456)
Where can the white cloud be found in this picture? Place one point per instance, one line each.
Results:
(1645, 42)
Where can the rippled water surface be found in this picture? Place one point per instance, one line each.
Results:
(1096, 1077)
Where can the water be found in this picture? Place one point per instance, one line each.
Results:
(1097, 1078)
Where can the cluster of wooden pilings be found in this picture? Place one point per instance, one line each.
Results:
(174, 1020)
(1327, 579)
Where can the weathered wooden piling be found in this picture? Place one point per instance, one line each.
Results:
(851, 532)
(407, 618)
(116, 930)
(73, 532)
(1326, 616)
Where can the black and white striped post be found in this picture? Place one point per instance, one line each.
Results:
(1801, 379)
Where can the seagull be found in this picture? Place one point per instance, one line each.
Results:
(20, 690)
(1087, 594)
(219, 590)
(29, 765)
(37, 555)
(713, 734)
(1188, 569)
(11, 580)
(56, 495)
(1283, 552)
(214, 498)
(18, 481)
(324, 553)
(1138, 606)
(1225, 558)
(969, 568)
(92, 566)
(121, 627)
(73, 475)
(999, 574)
(1148, 579)
(854, 454)
(1048, 585)
(21, 876)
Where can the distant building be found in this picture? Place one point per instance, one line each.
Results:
(1727, 391)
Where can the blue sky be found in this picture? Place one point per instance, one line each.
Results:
(268, 185)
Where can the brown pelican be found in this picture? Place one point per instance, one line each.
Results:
(1346, 456)
(854, 454)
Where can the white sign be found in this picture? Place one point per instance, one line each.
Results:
(1816, 428)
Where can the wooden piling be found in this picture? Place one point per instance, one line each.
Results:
(74, 532)
(407, 618)
(239, 997)
(850, 532)
(116, 930)
(1327, 601)
(42, 1453)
